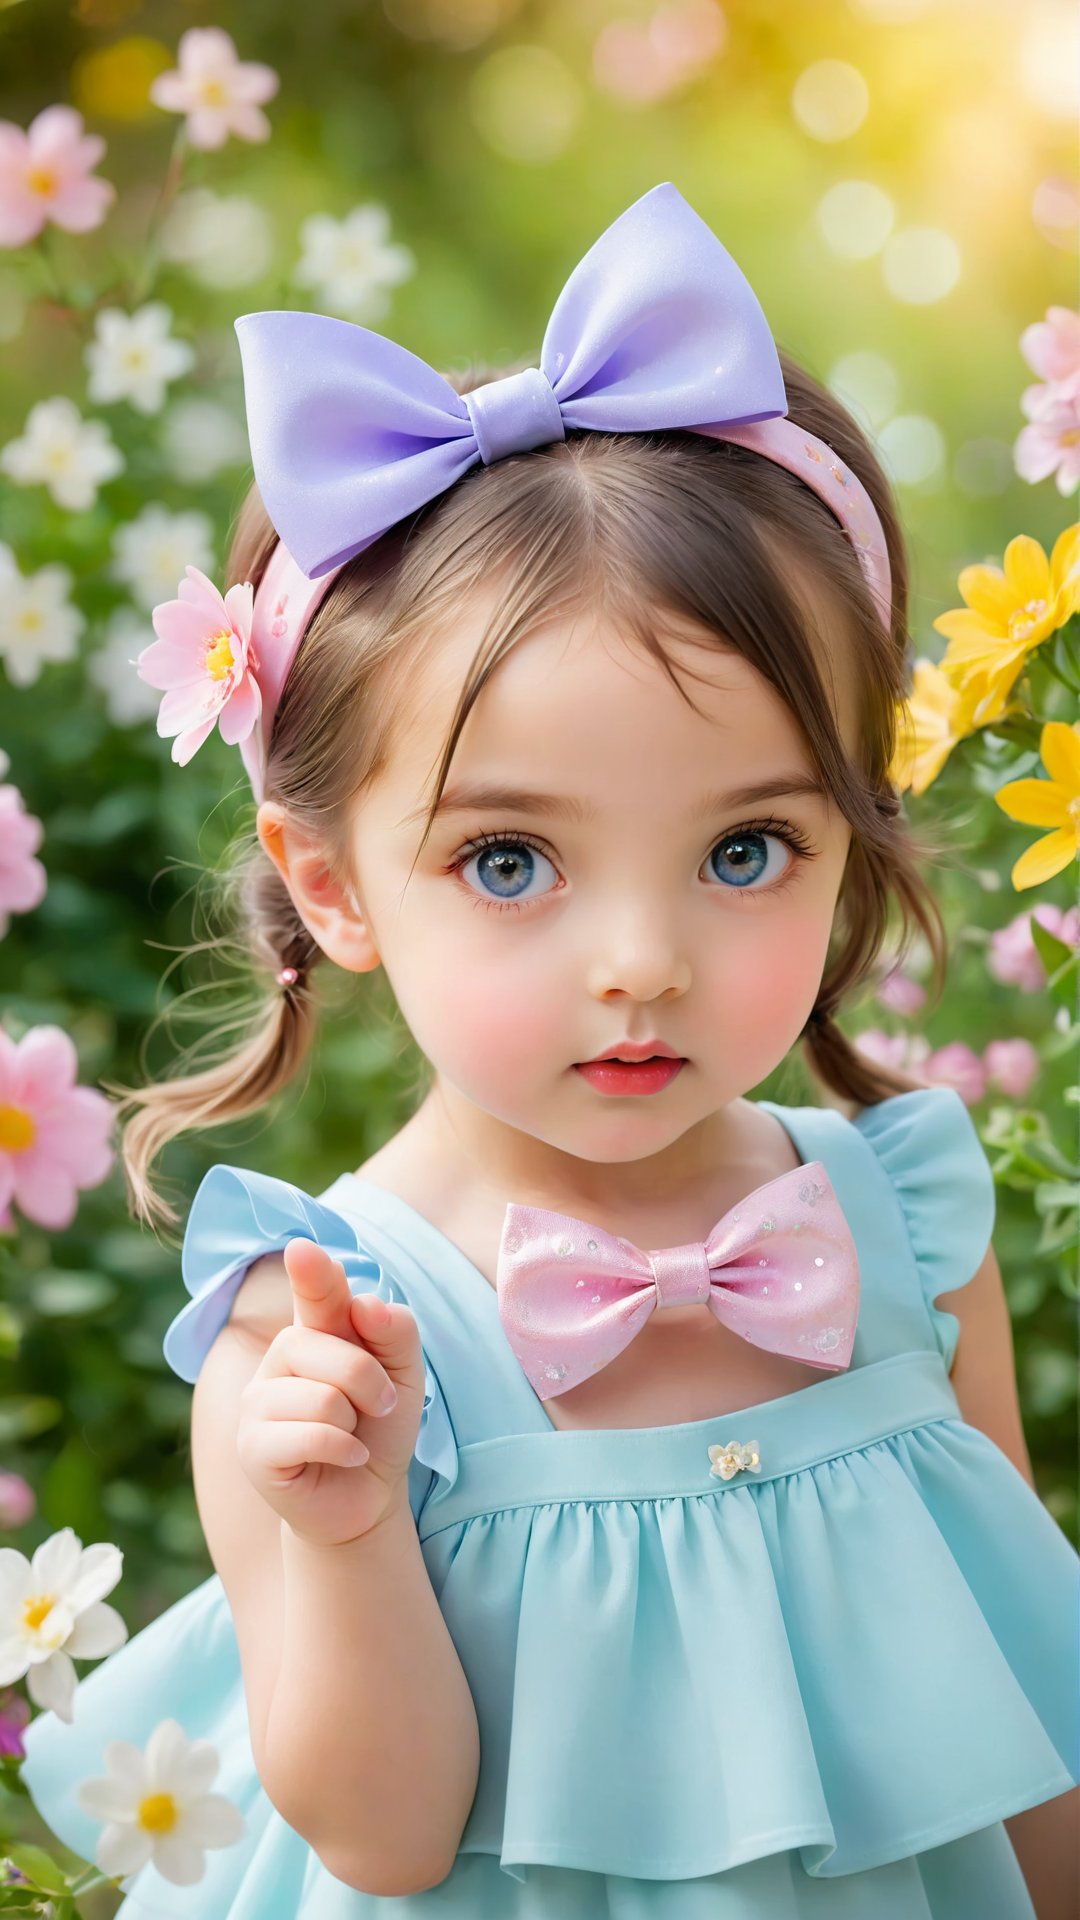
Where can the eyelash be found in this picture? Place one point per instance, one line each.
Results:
(782, 829)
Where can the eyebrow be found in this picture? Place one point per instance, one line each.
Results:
(487, 797)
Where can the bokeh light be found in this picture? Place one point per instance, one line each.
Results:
(983, 468)
(113, 83)
(1055, 209)
(525, 103)
(456, 24)
(920, 265)
(856, 218)
(830, 100)
(1050, 60)
(867, 383)
(913, 449)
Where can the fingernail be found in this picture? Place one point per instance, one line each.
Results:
(387, 1399)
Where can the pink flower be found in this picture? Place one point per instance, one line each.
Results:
(45, 175)
(900, 992)
(16, 1500)
(955, 1065)
(1013, 957)
(205, 661)
(53, 1134)
(1051, 443)
(218, 92)
(1051, 347)
(1011, 1065)
(22, 878)
(14, 1716)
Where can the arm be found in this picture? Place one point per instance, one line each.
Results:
(1046, 1838)
(362, 1725)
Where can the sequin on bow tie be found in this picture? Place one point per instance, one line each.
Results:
(735, 1456)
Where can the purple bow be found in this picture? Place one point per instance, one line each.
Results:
(656, 327)
(780, 1269)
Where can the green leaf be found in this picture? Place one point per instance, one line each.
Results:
(39, 1867)
(23, 1415)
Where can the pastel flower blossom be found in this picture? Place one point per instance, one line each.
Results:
(956, 1065)
(133, 357)
(929, 723)
(1051, 803)
(151, 550)
(128, 700)
(1051, 347)
(45, 175)
(904, 1051)
(52, 1612)
(900, 992)
(17, 1502)
(158, 1808)
(1014, 959)
(62, 451)
(200, 438)
(219, 93)
(1051, 443)
(22, 878)
(53, 1133)
(14, 1716)
(1011, 1065)
(204, 660)
(1009, 611)
(224, 240)
(37, 620)
(351, 262)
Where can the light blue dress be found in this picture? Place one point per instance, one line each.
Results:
(810, 1694)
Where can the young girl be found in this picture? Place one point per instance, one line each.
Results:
(695, 1571)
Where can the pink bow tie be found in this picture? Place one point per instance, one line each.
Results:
(780, 1270)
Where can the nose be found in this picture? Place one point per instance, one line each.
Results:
(639, 955)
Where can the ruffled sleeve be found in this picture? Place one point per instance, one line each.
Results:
(927, 1143)
(235, 1217)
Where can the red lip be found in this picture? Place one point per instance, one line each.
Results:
(634, 1050)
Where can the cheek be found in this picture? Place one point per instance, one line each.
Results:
(771, 973)
(486, 1006)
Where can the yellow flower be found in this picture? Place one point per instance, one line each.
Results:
(1008, 614)
(929, 724)
(1048, 803)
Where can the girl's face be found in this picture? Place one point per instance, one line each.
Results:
(596, 874)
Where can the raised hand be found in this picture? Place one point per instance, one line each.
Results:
(313, 1437)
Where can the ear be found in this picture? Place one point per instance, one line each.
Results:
(328, 910)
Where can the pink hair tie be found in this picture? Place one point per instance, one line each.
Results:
(287, 977)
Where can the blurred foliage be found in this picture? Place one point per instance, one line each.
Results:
(483, 128)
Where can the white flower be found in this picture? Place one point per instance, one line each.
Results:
(350, 261)
(133, 357)
(199, 438)
(153, 549)
(111, 667)
(218, 92)
(223, 241)
(51, 1613)
(37, 620)
(66, 453)
(5, 763)
(157, 1806)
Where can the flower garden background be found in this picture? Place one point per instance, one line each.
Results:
(896, 178)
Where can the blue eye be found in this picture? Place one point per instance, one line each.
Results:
(506, 870)
(745, 859)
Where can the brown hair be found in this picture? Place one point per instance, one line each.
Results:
(636, 522)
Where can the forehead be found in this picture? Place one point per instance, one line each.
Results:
(580, 704)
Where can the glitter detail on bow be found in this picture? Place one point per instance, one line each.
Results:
(571, 1295)
(734, 1456)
